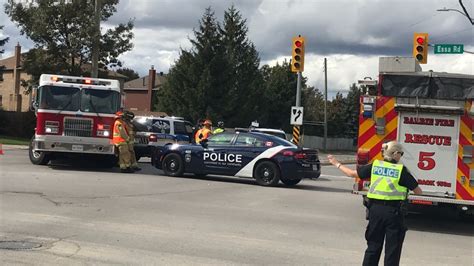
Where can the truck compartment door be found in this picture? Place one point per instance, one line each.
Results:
(430, 141)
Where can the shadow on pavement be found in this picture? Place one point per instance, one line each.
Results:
(440, 220)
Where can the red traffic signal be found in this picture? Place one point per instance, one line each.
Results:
(420, 47)
(297, 59)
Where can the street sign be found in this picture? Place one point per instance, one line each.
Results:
(296, 116)
(449, 48)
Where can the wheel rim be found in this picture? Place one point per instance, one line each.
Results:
(36, 154)
(267, 174)
(172, 165)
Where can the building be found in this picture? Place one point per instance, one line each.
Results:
(139, 93)
(11, 98)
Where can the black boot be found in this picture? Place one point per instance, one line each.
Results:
(136, 168)
(126, 170)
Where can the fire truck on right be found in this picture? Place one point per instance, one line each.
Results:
(432, 115)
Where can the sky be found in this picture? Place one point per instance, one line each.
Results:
(351, 34)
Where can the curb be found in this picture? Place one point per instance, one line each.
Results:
(14, 147)
(341, 161)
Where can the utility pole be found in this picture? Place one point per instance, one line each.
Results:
(325, 104)
(96, 40)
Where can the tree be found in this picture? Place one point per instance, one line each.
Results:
(129, 73)
(337, 117)
(2, 42)
(279, 94)
(194, 84)
(352, 109)
(63, 32)
(242, 88)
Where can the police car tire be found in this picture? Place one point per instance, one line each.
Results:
(178, 169)
(290, 182)
(269, 167)
(38, 158)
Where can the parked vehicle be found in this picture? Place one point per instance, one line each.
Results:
(74, 115)
(159, 131)
(432, 115)
(268, 159)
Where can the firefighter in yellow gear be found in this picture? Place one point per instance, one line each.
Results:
(120, 139)
(128, 117)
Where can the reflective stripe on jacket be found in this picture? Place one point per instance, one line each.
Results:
(120, 132)
(384, 181)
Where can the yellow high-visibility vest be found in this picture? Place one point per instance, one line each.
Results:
(384, 181)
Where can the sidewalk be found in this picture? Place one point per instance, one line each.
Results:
(347, 157)
(6, 147)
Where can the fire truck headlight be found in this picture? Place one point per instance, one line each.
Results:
(51, 127)
(103, 130)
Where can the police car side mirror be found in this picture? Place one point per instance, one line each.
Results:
(203, 142)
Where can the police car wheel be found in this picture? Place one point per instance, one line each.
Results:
(173, 165)
(267, 173)
(290, 182)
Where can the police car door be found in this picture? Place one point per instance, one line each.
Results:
(246, 147)
(215, 157)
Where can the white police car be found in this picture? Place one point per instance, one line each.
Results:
(266, 158)
(159, 131)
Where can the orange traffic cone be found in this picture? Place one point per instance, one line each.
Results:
(1, 149)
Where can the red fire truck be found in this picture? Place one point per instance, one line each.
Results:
(432, 115)
(75, 115)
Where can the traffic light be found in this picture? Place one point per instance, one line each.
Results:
(420, 47)
(297, 59)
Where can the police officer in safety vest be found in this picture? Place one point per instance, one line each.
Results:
(389, 185)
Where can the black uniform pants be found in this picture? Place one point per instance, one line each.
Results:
(384, 222)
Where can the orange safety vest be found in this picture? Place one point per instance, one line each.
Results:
(204, 132)
(117, 138)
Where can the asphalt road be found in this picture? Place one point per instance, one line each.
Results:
(76, 214)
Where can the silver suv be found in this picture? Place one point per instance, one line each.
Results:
(159, 131)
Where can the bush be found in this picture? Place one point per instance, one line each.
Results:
(16, 124)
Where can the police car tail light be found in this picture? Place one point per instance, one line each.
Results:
(103, 130)
(51, 127)
(300, 155)
(288, 153)
(152, 138)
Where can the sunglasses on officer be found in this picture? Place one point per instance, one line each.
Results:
(399, 152)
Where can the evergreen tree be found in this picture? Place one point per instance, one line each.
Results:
(242, 88)
(352, 109)
(194, 84)
(63, 32)
(129, 73)
(313, 102)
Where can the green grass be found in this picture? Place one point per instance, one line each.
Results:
(13, 140)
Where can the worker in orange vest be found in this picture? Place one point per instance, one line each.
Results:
(121, 139)
(205, 131)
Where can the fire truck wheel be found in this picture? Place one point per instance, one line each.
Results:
(266, 173)
(290, 182)
(173, 165)
(37, 157)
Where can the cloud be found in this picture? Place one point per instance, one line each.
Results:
(351, 34)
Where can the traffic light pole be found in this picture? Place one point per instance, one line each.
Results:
(298, 90)
(325, 105)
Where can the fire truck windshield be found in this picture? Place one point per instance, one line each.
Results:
(75, 99)
(100, 101)
(59, 98)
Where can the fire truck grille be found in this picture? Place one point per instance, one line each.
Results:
(77, 127)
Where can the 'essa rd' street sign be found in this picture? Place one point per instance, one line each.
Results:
(449, 48)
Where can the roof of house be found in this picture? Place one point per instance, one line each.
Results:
(9, 64)
(148, 113)
(142, 83)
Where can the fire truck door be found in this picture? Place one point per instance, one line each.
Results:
(431, 142)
